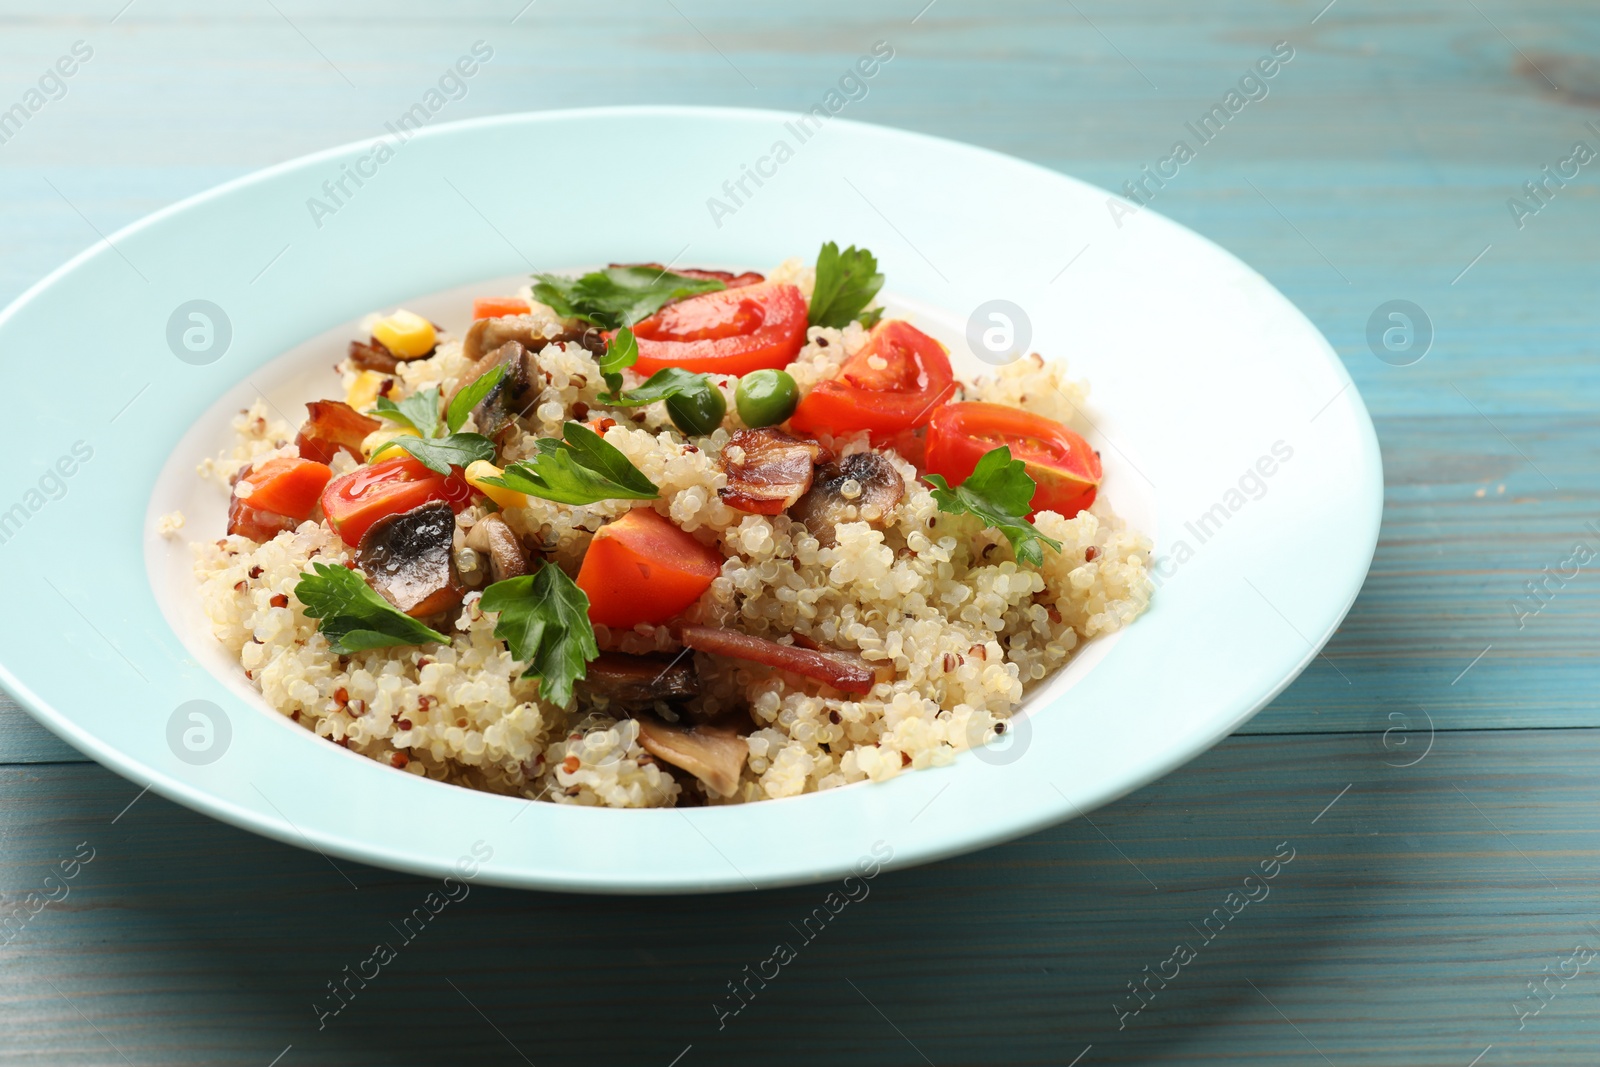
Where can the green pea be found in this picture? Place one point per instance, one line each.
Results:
(766, 397)
(698, 412)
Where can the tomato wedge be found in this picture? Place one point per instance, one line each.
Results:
(355, 501)
(334, 426)
(893, 384)
(278, 495)
(643, 569)
(1066, 469)
(731, 331)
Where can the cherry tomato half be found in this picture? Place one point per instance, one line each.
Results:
(893, 384)
(1066, 469)
(730, 331)
(356, 500)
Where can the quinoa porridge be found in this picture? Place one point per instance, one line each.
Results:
(652, 537)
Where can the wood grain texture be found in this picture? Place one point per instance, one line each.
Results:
(1417, 907)
(1410, 918)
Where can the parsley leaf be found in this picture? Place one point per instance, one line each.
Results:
(581, 470)
(353, 617)
(846, 283)
(472, 396)
(439, 454)
(419, 411)
(664, 383)
(544, 619)
(999, 492)
(623, 351)
(617, 296)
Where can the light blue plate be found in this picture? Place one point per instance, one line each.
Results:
(1230, 430)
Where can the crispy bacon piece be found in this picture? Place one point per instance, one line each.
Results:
(732, 281)
(371, 355)
(843, 672)
(334, 426)
(768, 470)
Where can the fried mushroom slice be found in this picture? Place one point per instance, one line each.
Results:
(410, 562)
(768, 470)
(493, 537)
(713, 754)
(486, 335)
(864, 481)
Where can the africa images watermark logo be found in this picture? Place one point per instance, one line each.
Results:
(452, 85)
(852, 86)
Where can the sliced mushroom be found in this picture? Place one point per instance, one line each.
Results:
(628, 679)
(507, 399)
(409, 561)
(768, 470)
(486, 335)
(844, 672)
(493, 537)
(713, 754)
(877, 489)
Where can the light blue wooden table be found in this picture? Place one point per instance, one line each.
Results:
(1441, 906)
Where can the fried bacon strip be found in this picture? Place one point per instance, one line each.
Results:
(845, 673)
(768, 470)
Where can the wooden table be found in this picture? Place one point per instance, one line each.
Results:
(1434, 777)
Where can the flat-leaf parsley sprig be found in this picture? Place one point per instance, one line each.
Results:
(1000, 493)
(544, 620)
(617, 296)
(353, 617)
(845, 284)
(435, 450)
(581, 469)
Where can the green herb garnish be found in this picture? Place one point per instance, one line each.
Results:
(442, 453)
(845, 284)
(694, 402)
(353, 617)
(419, 411)
(617, 296)
(999, 492)
(436, 450)
(544, 619)
(583, 469)
(622, 352)
(472, 396)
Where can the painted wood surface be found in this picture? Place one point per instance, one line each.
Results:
(1417, 908)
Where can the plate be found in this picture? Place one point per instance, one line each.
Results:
(1231, 433)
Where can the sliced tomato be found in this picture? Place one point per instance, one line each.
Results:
(893, 384)
(278, 495)
(1066, 469)
(356, 500)
(334, 426)
(643, 569)
(495, 307)
(731, 331)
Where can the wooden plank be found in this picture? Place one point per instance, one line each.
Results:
(1411, 916)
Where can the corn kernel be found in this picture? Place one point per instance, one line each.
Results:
(363, 392)
(379, 444)
(480, 469)
(406, 334)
